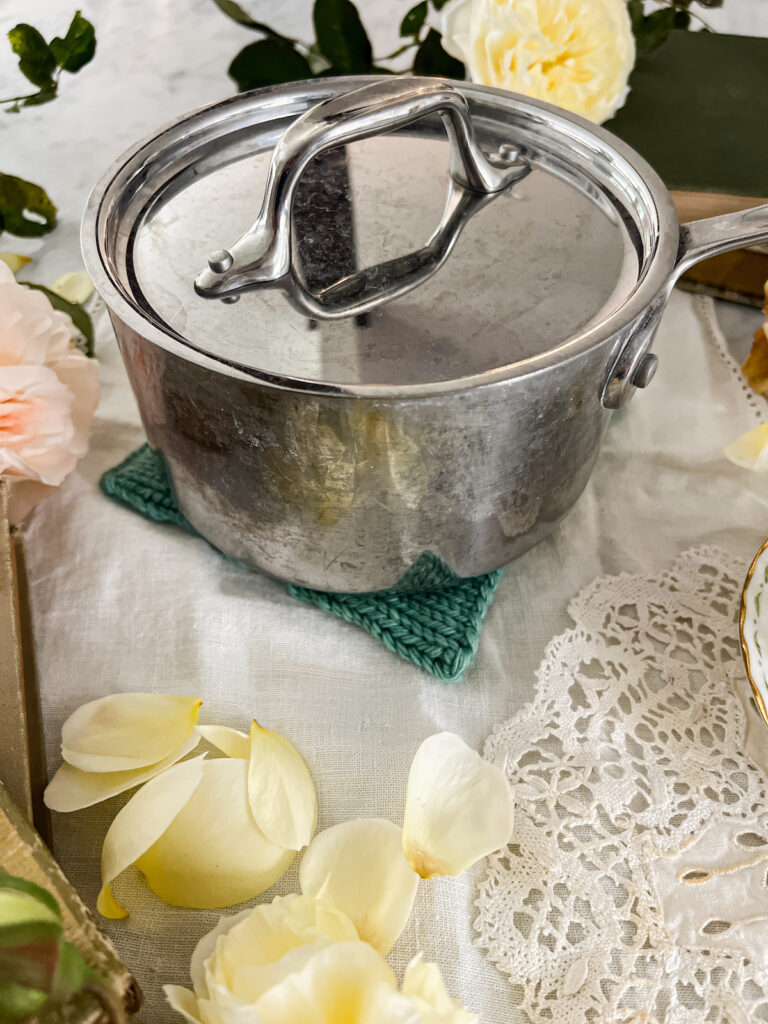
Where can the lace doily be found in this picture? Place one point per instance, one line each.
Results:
(635, 889)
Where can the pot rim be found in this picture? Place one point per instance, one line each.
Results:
(656, 281)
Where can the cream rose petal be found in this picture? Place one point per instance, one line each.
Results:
(358, 867)
(385, 1005)
(750, 450)
(14, 260)
(213, 854)
(255, 952)
(280, 789)
(457, 28)
(140, 824)
(231, 742)
(335, 986)
(423, 981)
(458, 808)
(203, 1011)
(71, 790)
(125, 731)
(74, 287)
(184, 1002)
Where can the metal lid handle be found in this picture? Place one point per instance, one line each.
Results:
(262, 256)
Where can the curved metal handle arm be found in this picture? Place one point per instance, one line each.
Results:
(364, 290)
(262, 256)
(701, 239)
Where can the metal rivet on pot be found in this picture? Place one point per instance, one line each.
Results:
(507, 153)
(645, 370)
(229, 299)
(220, 261)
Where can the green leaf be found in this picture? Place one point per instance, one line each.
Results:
(342, 37)
(80, 318)
(36, 62)
(236, 13)
(72, 972)
(19, 198)
(18, 1002)
(654, 29)
(11, 882)
(268, 62)
(77, 47)
(635, 9)
(431, 59)
(414, 19)
(439, 4)
(38, 98)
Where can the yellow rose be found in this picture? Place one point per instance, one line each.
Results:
(298, 959)
(577, 54)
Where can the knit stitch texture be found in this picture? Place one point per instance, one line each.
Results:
(437, 628)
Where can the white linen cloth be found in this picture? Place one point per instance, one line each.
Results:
(120, 603)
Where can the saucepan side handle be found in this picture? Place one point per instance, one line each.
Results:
(701, 239)
(634, 364)
(262, 257)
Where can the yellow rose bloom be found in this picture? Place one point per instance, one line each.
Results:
(299, 960)
(576, 54)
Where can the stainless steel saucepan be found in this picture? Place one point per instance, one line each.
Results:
(377, 326)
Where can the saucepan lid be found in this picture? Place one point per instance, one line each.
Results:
(379, 236)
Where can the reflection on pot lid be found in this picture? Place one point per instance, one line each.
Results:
(533, 265)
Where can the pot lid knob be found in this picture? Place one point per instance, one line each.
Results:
(263, 257)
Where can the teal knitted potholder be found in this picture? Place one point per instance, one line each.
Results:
(437, 629)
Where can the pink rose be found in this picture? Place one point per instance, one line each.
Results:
(48, 394)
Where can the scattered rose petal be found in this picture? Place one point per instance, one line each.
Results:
(74, 287)
(71, 789)
(750, 450)
(358, 867)
(280, 789)
(212, 854)
(755, 366)
(458, 808)
(14, 260)
(125, 731)
(141, 823)
(231, 742)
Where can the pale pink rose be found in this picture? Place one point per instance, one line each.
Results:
(48, 394)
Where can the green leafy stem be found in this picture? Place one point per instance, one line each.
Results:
(341, 47)
(26, 209)
(651, 30)
(42, 63)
